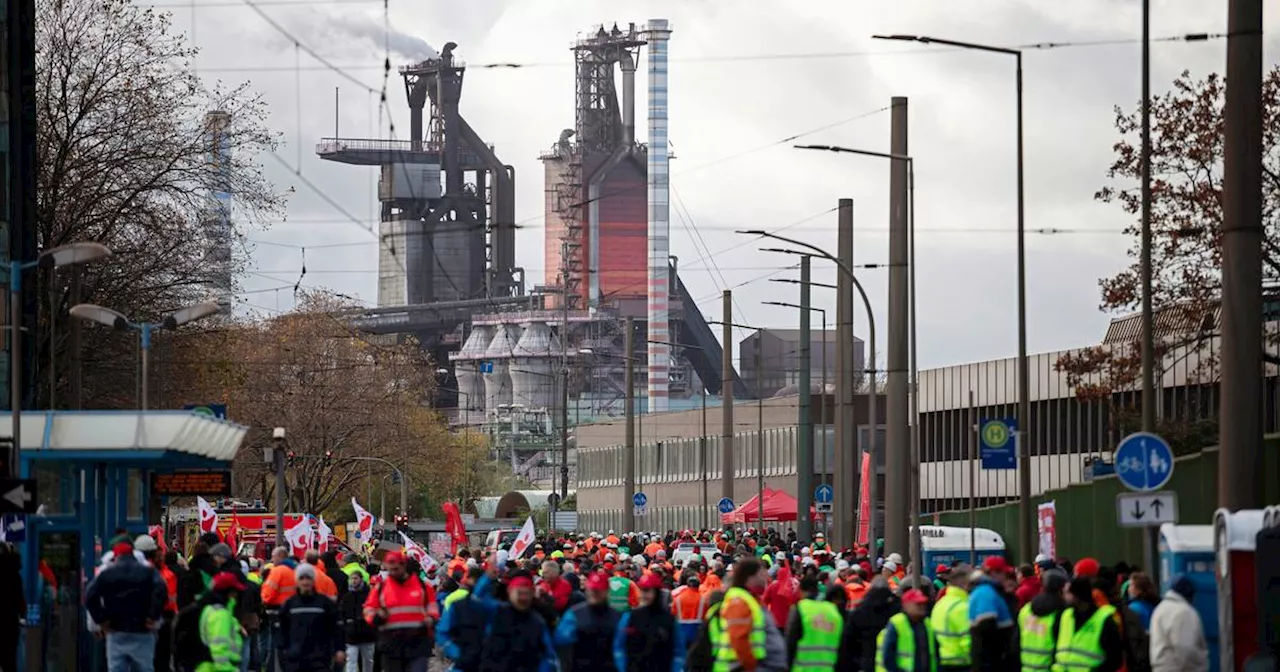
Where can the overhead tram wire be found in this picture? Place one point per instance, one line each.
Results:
(515, 65)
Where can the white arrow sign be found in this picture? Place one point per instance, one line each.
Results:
(18, 495)
(1146, 509)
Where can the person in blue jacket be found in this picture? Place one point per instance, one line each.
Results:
(517, 638)
(993, 633)
(648, 638)
(461, 633)
(585, 633)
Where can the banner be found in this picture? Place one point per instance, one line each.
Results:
(299, 537)
(208, 516)
(454, 526)
(324, 532)
(864, 501)
(363, 532)
(523, 540)
(1047, 524)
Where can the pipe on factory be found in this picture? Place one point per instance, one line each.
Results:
(628, 65)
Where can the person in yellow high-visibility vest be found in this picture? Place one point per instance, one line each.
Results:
(1038, 623)
(813, 631)
(1088, 637)
(950, 622)
(739, 631)
(907, 644)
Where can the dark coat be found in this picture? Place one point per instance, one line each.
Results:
(126, 595)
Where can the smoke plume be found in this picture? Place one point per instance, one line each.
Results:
(402, 44)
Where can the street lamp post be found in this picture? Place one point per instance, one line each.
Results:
(115, 320)
(759, 364)
(872, 422)
(822, 413)
(64, 255)
(914, 483)
(1025, 522)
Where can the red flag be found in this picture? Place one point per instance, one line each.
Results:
(864, 502)
(453, 525)
(157, 533)
(233, 531)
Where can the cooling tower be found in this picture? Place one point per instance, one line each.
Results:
(467, 368)
(534, 367)
(497, 381)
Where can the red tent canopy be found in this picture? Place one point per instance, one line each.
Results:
(778, 505)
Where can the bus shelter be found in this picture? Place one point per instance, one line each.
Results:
(93, 473)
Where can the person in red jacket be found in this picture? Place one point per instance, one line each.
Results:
(782, 594)
(1028, 585)
(554, 587)
(403, 609)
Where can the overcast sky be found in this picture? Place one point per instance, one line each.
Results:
(744, 75)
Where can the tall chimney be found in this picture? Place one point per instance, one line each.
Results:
(659, 223)
(628, 100)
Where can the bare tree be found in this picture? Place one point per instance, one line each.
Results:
(125, 160)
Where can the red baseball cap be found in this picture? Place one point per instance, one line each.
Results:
(393, 556)
(650, 582)
(1087, 567)
(942, 569)
(598, 581)
(521, 582)
(226, 581)
(915, 596)
(996, 564)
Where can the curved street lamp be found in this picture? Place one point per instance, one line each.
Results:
(116, 320)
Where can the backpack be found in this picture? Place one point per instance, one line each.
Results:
(189, 649)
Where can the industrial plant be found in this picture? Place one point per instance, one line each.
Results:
(519, 356)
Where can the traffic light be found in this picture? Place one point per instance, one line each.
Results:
(328, 454)
(402, 522)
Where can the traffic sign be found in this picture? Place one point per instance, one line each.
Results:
(999, 443)
(218, 411)
(1144, 461)
(823, 507)
(17, 495)
(486, 367)
(725, 505)
(1146, 509)
(641, 510)
(824, 494)
(553, 500)
(640, 500)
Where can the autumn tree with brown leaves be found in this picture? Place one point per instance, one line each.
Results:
(340, 394)
(1187, 148)
(124, 160)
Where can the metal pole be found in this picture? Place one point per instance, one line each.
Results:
(897, 458)
(826, 520)
(726, 391)
(1025, 522)
(15, 364)
(804, 442)
(844, 475)
(53, 339)
(972, 436)
(564, 435)
(873, 427)
(629, 451)
(1148, 322)
(916, 494)
(404, 492)
(1240, 481)
(759, 434)
(702, 458)
(145, 338)
(277, 456)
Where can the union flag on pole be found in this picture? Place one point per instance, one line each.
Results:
(208, 516)
(523, 540)
(364, 523)
(299, 537)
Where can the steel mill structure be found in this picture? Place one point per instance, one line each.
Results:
(520, 358)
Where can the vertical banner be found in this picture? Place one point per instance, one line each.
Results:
(864, 501)
(1046, 523)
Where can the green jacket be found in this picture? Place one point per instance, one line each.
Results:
(220, 631)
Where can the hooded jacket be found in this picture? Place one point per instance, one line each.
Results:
(1177, 637)
(863, 625)
(126, 595)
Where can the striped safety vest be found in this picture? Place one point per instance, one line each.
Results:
(1036, 639)
(819, 644)
(950, 621)
(906, 650)
(405, 604)
(1081, 649)
(722, 651)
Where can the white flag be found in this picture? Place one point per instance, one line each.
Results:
(299, 537)
(208, 516)
(324, 533)
(523, 540)
(364, 523)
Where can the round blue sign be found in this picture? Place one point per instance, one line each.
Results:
(725, 505)
(824, 494)
(1143, 461)
(640, 499)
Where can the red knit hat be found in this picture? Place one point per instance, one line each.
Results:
(1087, 567)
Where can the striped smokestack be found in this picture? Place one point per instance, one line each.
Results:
(658, 33)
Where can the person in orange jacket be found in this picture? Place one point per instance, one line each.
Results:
(737, 611)
(324, 585)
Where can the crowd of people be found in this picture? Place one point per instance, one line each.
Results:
(631, 603)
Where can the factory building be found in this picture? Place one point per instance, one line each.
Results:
(769, 360)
